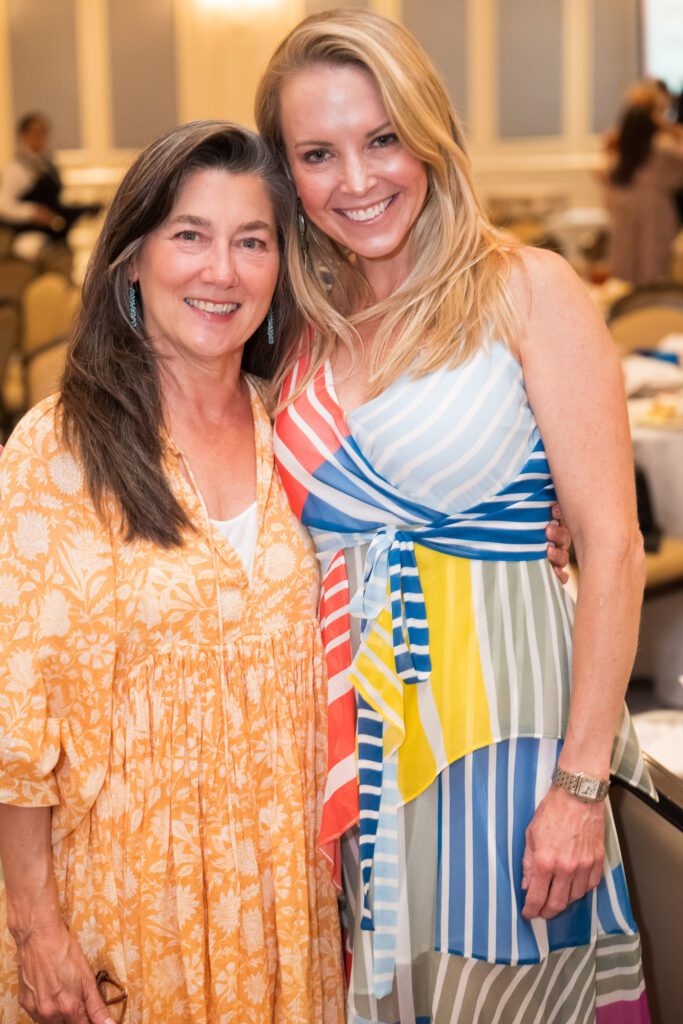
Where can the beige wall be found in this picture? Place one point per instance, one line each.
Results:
(214, 52)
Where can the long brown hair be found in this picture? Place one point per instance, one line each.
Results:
(634, 144)
(110, 406)
(457, 291)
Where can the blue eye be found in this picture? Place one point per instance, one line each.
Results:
(253, 243)
(188, 236)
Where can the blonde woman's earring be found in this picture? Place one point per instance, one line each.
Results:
(303, 235)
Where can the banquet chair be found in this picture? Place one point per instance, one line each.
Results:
(645, 296)
(6, 238)
(651, 839)
(643, 328)
(49, 304)
(646, 315)
(43, 369)
(9, 343)
(15, 274)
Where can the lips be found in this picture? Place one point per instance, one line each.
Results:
(368, 213)
(217, 308)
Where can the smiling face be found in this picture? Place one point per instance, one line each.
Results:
(207, 274)
(356, 180)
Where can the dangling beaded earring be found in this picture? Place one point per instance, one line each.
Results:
(132, 307)
(303, 236)
(270, 327)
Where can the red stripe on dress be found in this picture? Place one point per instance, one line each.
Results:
(340, 807)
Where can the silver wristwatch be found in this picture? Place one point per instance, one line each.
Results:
(585, 787)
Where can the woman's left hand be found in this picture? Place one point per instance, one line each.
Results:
(559, 543)
(565, 853)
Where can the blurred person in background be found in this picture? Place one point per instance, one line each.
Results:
(646, 170)
(31, 191)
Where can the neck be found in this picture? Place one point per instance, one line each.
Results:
(386, 274)
(205, 394)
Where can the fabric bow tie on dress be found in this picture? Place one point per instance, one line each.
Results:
(391, 579)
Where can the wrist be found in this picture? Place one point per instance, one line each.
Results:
(26, 916)
(586, 756)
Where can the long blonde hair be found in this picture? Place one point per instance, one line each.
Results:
(457, 292)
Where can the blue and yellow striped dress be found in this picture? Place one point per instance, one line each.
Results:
(449, 654)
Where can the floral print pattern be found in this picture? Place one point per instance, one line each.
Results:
(173, 715)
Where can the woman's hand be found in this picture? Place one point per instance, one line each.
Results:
(565, 853)
(56, 983)
(559, 543)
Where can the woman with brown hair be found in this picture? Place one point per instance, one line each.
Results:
(473, 721)
(162, 703)
(646, 171)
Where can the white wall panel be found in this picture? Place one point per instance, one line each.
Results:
(441, 27)
(530, 62)
(615, 57)
(43, 68)
(143, 80)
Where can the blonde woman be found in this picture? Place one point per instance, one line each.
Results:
(449, 389)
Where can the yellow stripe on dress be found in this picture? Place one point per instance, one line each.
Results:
(434, 723)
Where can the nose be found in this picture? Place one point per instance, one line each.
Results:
(359, 177)
(221, 266)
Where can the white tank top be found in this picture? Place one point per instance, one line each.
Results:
(240, 532)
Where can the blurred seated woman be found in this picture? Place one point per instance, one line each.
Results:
(647, 170)
(162, 707)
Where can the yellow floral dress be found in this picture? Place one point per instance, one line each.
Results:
(173, 714)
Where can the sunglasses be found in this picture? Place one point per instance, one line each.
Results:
(113, 995)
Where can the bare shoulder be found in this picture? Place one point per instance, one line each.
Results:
(539, 276)
(551, 301)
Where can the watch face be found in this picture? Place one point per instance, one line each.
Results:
(589, 788)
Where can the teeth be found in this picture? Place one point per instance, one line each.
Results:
(370, 213)
(212, 307)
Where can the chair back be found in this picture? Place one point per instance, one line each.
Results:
(644, 327)
(644, 296)
(651, 840)
(15, 274)
(9, 334)
(43, 370)
(50, 303)
(7, 234)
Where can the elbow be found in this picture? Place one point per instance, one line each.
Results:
(639, 561)
(620, 550)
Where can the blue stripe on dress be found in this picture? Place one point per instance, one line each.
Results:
(480, 848)
(606, 911)
(524, 787)
(515, 941)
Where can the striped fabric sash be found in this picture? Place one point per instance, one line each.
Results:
(344, 502)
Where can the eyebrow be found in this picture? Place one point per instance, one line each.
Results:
(189, 218)
(323, 142)
(201, 222)
(256, 225)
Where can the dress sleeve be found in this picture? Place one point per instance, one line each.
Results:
(57, 638)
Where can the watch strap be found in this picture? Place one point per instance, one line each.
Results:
(588, 788)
